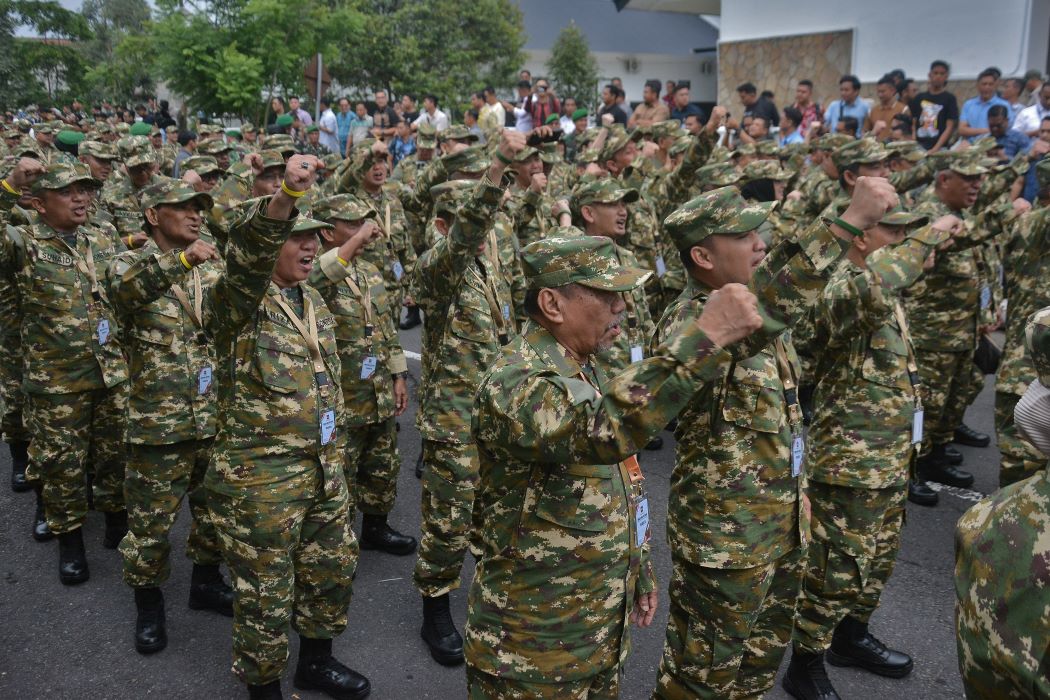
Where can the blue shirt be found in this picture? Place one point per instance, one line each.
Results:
(1031, 184)
(794, 137)
(839, 109)
(399, 149)
(1013, 142)
(342, 130)
(681, 114)
(975, 112)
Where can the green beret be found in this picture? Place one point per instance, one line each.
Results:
(312, 128)
(61, 175)
(344, 207)
(721, 211)
(587, 260)
(172, 191)
(580, 113)
(551, 118)
(139, 129)
(69, 138)
(866, 151)
(234, 133)
(605, 190)
(284, 120)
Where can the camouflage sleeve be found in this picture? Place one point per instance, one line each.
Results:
(397, 362)
(991, 222)
(251, 253)
(439, 272)
(328, 272)
(673, 190)
(7, 204)
(562, 420)
(434, 174)
(921, 174)
(134, 280)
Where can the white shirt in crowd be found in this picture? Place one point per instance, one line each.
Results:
(328, 124)
(1028, 119)
(439, 120)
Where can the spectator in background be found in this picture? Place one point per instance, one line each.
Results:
(693, 123)
(848, 125)
(907, 91)
(683, 107)
(276, 109)
(295, 109)
(384, 118)
(522, 115)
(849, 104)
(568, 107)
(1036, 152)
(668, 97)
(187, 147)
(1028, 119)
(403, 144)
(901, 129)
(1010, 140)
(361, 126)
(622, 99)
(756, 130)
(880, 118)
(791, 127)
(543, 102)
(804, 103)
(769, 97)
(525, 76)
(973, 119)
(492, 115)
(753, 106)
(329, 127)
(1011, 92)
(1033, 83)
(343, 120)
(651, 110)
(610, 93)
(409, 112)
(935, 111)
(470, 120)
(431, 115)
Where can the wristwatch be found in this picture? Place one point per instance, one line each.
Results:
(400, 375)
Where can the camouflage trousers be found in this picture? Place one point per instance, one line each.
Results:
(856, 536)
(1019, 459)
(71, 431)
(372, 465)
(290, 563)
(483, 686)
(448, 501)
(728, 628)
(12, 423)
(158, 478)
(948, 381)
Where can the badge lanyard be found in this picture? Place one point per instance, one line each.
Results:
(913, 375)
(500, 316)
(637, 353)
(787, 377)
(86, 265)
(395, 265)
(196, 313)
(309, 334)
(368, 366)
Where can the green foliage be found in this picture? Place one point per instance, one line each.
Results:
(47, 68)
(572, 69)
(119, 53)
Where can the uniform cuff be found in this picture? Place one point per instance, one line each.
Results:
(331, 267)
(700, 355)
(397, 363)
(822, 247)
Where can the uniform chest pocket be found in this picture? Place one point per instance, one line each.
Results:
(578, 498)
(961, 264)
(54, 287)
(754, 396)
(282, 362)
(470, 321)
(156, 327)
(886, 361)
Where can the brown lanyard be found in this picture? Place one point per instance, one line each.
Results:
(488, 285)
(309, 334)
(913, 368)
(195, 311)
(86, 264)
(632, 310)
(366, 301)
(787, 377)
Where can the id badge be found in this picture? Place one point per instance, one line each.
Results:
(636, 353)
(641, 522)
(506, 312)
(399, 271)
(103, 331)
(986, 296)
(327, 426)
(204, 380)
(368, 367)
(916, 427)
(661, 266)
(798, 447)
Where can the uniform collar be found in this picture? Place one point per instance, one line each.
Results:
(553, 353)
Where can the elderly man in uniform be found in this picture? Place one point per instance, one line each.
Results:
(563, 518)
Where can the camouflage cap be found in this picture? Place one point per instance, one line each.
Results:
(721, 211)
(899, 216)
(344, 207)
(97, 149)
(171, 129)
(271, 159)
(450, 195)
(43, 128)
(526, 153)
(139, 129)
(604, 190)
(202, 165)
(984, 144)
(280, 142)
(768, 147)
(617, 139)
(1042, 172)
(426, 136)
(908, 150)
(549, 152)
(829, 142)
(764, 170)
(26, 147)
(122, 128)
(248, 128)
(457, 132)
(172, 191)
(332, 160)
(305, 224)
(214, 147)
(967, 163)
(744, 149)
(474, 159)
(669, 127)
(135, 151)
(587, 260)
(1037, 343)
(864, 151)
(680, 146)
(794, 149)
(61, 175)
(719, 174)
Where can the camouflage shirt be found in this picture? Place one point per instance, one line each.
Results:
(1025, 257)
(121, 199)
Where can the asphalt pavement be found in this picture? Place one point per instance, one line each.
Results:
(61, 642)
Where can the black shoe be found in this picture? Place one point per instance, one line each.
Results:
(19, 462)
(72, 560)
(208, 590)
(151, 635)
(807, 679)
(805, 400)
(41, 531)
(411, 318)
(952, 455)
(116, 528)
(853, 645)
(935, 467)
(376, 533)
(965, 435)
(672, 426)
(419, 466)
(266, 691)
(439, 632)
(319, 670)
(655, 444)
(922, 495)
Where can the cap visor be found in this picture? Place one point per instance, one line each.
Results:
(750, 218)
(624, 279)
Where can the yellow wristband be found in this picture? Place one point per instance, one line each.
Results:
(290, 192)
(184, 261)
(342, 262)
(9, 188)
(131, 240)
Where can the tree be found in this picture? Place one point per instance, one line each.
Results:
(572, 69)
(46, 67)
(119, 53)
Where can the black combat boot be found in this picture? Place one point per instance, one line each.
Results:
(921, 494)
(116, 528)
(439, 632)
(806, 677)
(266, 691)
(19, 462)
(319, 670)
(411, 318)
(151, 635)
(208, 590)
(965, 435)
(419, 466)
(935, 467)
(376, 533)
(41, 531)
(72, 560)
(853, 645)
(655, 444)
(953, 455)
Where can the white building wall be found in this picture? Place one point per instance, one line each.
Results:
(970, 34)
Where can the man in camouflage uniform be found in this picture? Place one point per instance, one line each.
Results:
(737, 522)
(861, 446)
(276, 484)
(563, 520)
(374, 367)
(45, 133)
(261, 178)
(207, 169)
(468, 307)
(75, 375)
(1002, 544)
(121, 198)
(217, 149)
(170, 422)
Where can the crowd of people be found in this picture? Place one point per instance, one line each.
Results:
(804, 296)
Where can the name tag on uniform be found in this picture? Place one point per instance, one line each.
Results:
(204, 380)
(916, 427)
(641, 522)
(399, 271)
(368, 367)
(798, 447)
(327, 426)
(986, 296)
(636, 353)
(661, 266)
(103, 331)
